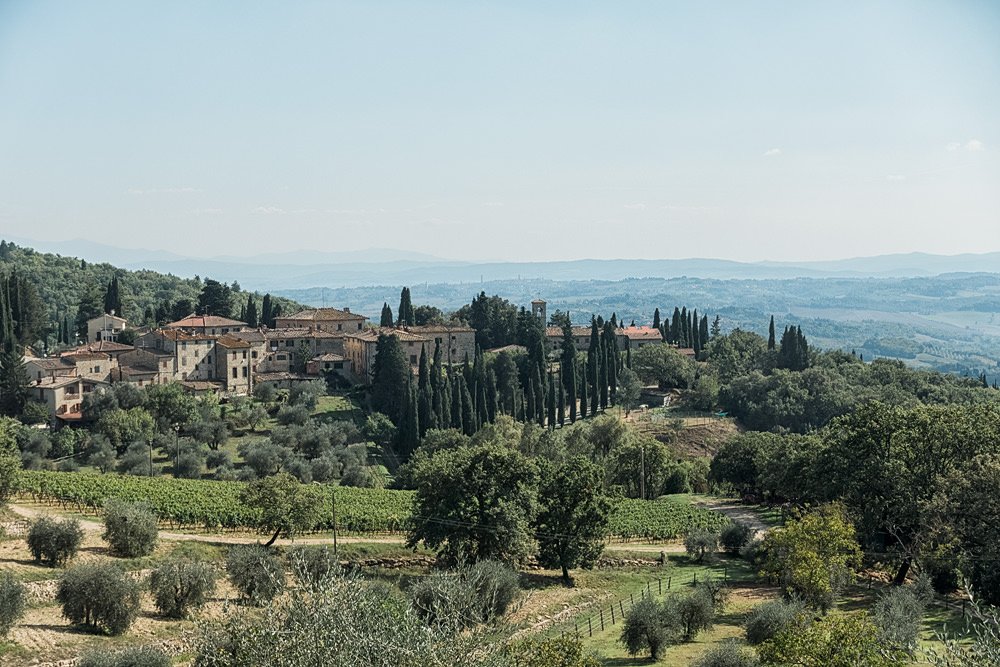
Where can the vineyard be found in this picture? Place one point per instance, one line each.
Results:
(211, 505)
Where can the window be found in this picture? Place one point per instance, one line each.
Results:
(246, 371)
(282, 357)
(254, 354)
(234, 373)
(359, 326)
(340, 327)
(244, 355)
(413, 358)
(289, 343)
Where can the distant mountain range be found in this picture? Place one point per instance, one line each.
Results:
(392, 267)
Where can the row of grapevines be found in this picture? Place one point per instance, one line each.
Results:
(209, 504)
(660, 519)
(216, 505)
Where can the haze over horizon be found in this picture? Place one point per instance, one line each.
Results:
(782, 132)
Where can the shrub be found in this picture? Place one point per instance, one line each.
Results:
(130, 528)
(701, 542)
(313, 565)
(728, 654)
(647, 627)
(54, 542)
(768, 619)
(135, 656)
(468, 596)
(694, 611)
(898, 614)
(11, 602)
(180, 586)
(753, 552)
(255, 572)
(99, 596)
(735, 536)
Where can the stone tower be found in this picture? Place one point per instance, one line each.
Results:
(538, 310)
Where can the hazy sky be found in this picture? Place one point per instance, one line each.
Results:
(517, 130)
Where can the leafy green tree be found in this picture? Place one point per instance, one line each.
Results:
(53, 542)
(255, 572)
(122, 427)
(573, 515)
(99, 596)
(130, 528)
(701, 542)
(629, 390)
(767, 620)
(133, 656)
(813, 556)
(286, 506)
(843, 640)
(647, 628)
(181, 586)
(496, 526)
(664, 366)
(12, 602)
(215, 299)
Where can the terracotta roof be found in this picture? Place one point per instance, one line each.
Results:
(371, 335)
(100, 346)
(440, 328)
(201, 385)
(180, 334)
(322, 315)
(50, 363)
(201, 321)
(538, 301)
(329, 356)
(231, 342)
(250, 335)
(686, 351)
(63, 381)
(642, 333)
(132, 369)
(285, 334)
(73, 357)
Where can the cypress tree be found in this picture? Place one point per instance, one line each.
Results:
(529, 401)
(594, 369)
(628, 356)
(571, 391)
(656, 318)
(675, 328)
(561, 406)
(266, 312)
(551, 412)
(386, 319)
(771, 342)
(445, 420)
(583, 391)
(468, 410)
(603, 367)
(492, 396)
(425, 400)
(404, 316)
(409, 429)
(457, 394)
(695, 338)
(252, 318)
(703, 331)
(716, 327)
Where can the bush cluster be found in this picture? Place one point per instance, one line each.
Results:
(12, 601)
(735, 536)
(469, 596)
(180, 586)
(130, 528)
(100, 596)
(136, 656)
(768, 619)
(255, 572)
(313, 565)
(54, 542)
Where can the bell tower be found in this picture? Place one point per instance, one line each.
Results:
(538, 310)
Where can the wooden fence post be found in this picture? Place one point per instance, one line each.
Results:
(590, 627)
(612, 613)
(602, 619)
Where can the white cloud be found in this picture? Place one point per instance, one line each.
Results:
(896, 178)
(162, 191)
(771, 152)
(270, 210)
(972, 146)
(638, 206)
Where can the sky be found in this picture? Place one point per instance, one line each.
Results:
(504, 131)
